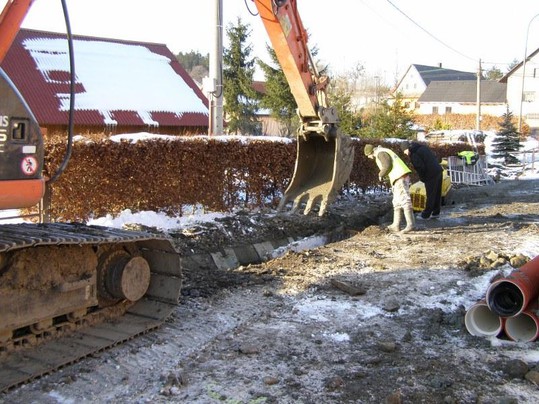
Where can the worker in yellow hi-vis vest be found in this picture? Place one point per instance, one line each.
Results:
(392, 167)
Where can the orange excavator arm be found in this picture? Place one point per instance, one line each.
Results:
(21, 147)
(289, 41)
(10, 23)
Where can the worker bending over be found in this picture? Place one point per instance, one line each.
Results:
(391, 166)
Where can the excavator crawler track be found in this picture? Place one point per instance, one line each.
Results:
(56, 308)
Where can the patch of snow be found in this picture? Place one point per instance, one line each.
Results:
(315, 309)
(337, 336)
(304, 244)
(154, 219)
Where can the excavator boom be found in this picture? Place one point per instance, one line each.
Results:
(10, 22)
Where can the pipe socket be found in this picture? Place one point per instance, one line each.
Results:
(510, 296)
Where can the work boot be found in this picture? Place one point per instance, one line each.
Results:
(397, 217)
(410, 220)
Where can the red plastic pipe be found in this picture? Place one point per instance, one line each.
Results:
(510, 296)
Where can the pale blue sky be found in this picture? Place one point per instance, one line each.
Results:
(346, 32)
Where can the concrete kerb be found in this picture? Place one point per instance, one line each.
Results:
(231, 257)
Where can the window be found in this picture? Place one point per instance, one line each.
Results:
(528, 96)
(448, 110)
(435, 110)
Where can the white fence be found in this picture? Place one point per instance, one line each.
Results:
(529, 158)
(461, 172)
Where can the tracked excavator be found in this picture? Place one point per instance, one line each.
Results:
(68, 290)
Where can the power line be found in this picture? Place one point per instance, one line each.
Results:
(428, 33)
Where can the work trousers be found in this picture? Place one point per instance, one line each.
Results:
(401, 193)
(433, 189)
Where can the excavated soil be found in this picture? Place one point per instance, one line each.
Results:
(375, 317)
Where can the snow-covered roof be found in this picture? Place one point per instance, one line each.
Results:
(117, 82)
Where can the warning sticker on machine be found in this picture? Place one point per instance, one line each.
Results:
(29, 165)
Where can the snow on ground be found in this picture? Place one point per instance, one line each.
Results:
(154, 219)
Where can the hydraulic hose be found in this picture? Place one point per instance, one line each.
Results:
(71, 124)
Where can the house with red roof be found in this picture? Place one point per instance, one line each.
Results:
(121, 86)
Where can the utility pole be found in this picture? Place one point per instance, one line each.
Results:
(478, 116)
(216, 74)
(376, 92)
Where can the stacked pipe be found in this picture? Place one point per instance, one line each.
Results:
(510, 306)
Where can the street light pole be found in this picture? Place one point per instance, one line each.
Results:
(478, 115)
(376, 96)
(524, 74)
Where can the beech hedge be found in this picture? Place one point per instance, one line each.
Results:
(107, 177)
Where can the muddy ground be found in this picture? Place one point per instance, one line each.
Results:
(376, 317)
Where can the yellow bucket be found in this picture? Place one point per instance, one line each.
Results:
(418, 192)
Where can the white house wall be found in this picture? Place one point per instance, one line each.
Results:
(412, 85)
(427, 108)
(530, 105)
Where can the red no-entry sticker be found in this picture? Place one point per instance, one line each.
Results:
(29, 165)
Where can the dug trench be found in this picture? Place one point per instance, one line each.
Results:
(294, 309)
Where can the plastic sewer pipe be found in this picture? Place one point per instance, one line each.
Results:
(480, 321)
(523, 327)
(510, 296)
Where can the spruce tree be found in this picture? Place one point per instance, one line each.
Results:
(507, 140)
(241, 100)
(278, 98)
(390, 120)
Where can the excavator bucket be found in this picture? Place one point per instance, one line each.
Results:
(323, 165)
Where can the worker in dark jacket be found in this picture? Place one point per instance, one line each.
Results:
(430, 172)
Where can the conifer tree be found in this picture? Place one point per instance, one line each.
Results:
(506, 140)
(278, 98)
(241, 100)
(392, 120)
